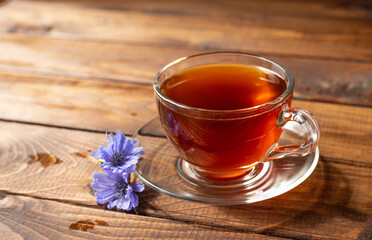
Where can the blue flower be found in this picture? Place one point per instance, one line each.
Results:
(113, 188)
(120, 155)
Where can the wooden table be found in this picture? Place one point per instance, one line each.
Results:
(70, 70)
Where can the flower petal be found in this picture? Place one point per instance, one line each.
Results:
(98, 175)
(113, 176)
(128, 191)
(97, 186)
(101, 179)
(134, 200)
(130, 162)
(112, 204)
(104, 154)
(124, 204)
(105, 196)
(120, 140)
(96, 154)
(108, 137)
(138, 187)
(128, 148)
(111, 145)
(134, 142)
(131, 168)
(123, 170)
(138, 150)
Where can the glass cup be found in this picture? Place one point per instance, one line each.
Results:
(225, 145)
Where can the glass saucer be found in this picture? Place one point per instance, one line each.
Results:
(161, 169)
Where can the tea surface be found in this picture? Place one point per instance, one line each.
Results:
(223, 87)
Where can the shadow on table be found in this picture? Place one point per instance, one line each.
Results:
(320, 205)
(324, 197)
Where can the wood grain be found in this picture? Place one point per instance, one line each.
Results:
(73, 69)
(68, 180)
(75, 103)
(338, 191)
(349, 9)
(85, 104)
(330, 195)
(345, 131)
(28, 218)
(268, 31)
(316, 79)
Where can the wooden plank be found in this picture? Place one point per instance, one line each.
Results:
(323, 80)
(106, 105)
(28, 218)
(75, 103)
(59, 165)
(338, 191)
(349, 9)
(266, 32)
(89, 59)
(346, 132)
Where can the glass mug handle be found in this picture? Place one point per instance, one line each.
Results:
(311, 134)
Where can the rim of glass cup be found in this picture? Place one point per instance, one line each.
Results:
(265, 106)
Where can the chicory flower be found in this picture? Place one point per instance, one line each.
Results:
(120, 155)
(113, 188)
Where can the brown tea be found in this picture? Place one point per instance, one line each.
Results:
(222, 145)
(224, 87)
